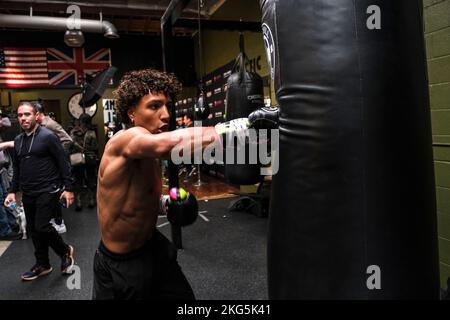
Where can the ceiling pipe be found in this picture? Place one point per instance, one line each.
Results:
(55, 23)
(109, 5)
(102, 4)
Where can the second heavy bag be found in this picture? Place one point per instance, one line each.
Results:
(245, 94)
(245, 91)
(352, 212)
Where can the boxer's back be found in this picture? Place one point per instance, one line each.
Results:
(128, 194)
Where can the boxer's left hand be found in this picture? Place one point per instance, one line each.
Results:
(181, 207)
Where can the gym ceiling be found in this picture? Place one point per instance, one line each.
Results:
(129, 17)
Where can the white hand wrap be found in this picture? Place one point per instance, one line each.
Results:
(235, 125)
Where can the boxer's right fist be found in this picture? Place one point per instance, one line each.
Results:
(264, 118)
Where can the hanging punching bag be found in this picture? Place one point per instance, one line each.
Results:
(245, 94)
(245, 91)
(353, 204)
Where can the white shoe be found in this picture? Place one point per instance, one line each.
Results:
(60, 228)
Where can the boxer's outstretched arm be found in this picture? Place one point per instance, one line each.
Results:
(138, 143)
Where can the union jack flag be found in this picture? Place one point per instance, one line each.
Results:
(69, 66)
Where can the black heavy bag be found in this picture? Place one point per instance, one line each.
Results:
(352, 212)
(245, 91)
(241, 167)
(245, 94)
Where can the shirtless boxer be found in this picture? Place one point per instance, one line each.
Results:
(134, 260)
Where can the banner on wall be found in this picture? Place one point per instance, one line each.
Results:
(110, 118)
(109, 111)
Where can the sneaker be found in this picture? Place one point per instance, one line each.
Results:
(12, 236)
(61, 228)
(67, 262)
(36, 272)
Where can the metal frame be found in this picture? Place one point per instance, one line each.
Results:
(168, 19)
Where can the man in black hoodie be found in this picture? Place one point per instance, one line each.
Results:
(41, 172)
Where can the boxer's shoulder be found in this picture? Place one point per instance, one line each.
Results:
(124, 137)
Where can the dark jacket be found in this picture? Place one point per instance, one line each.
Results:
(39, 163)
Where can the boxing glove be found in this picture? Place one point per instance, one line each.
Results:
(181, 207)
(264, 118)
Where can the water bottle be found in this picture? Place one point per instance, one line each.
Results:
(20, 217)
(12, 205)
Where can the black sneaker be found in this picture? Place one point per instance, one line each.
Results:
(12, 236)
(67, 262)
(36, 272)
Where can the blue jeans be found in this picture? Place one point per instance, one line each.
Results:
(7, 219)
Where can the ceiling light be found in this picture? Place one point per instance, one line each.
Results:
(74, 38)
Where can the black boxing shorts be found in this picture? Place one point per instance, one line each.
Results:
(151, 272)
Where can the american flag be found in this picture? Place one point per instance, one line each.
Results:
(69, 66)
(23, 67)
(38, 67)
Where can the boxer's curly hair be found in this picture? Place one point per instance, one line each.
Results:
(136, 84)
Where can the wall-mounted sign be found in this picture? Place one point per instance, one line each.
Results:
(109, 111)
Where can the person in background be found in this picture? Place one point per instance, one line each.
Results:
(9, 228)
(180, 123)
(41, 172)
(107, 131)
(52, 116)
(10, 127)
(187, 121)
(4, 121)
(85, 140)
(188, 169)
(51, 124)
(66, 141)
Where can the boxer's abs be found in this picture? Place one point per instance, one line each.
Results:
(128, 205)
(127, 233)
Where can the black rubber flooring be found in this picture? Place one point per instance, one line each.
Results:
(223, 258)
